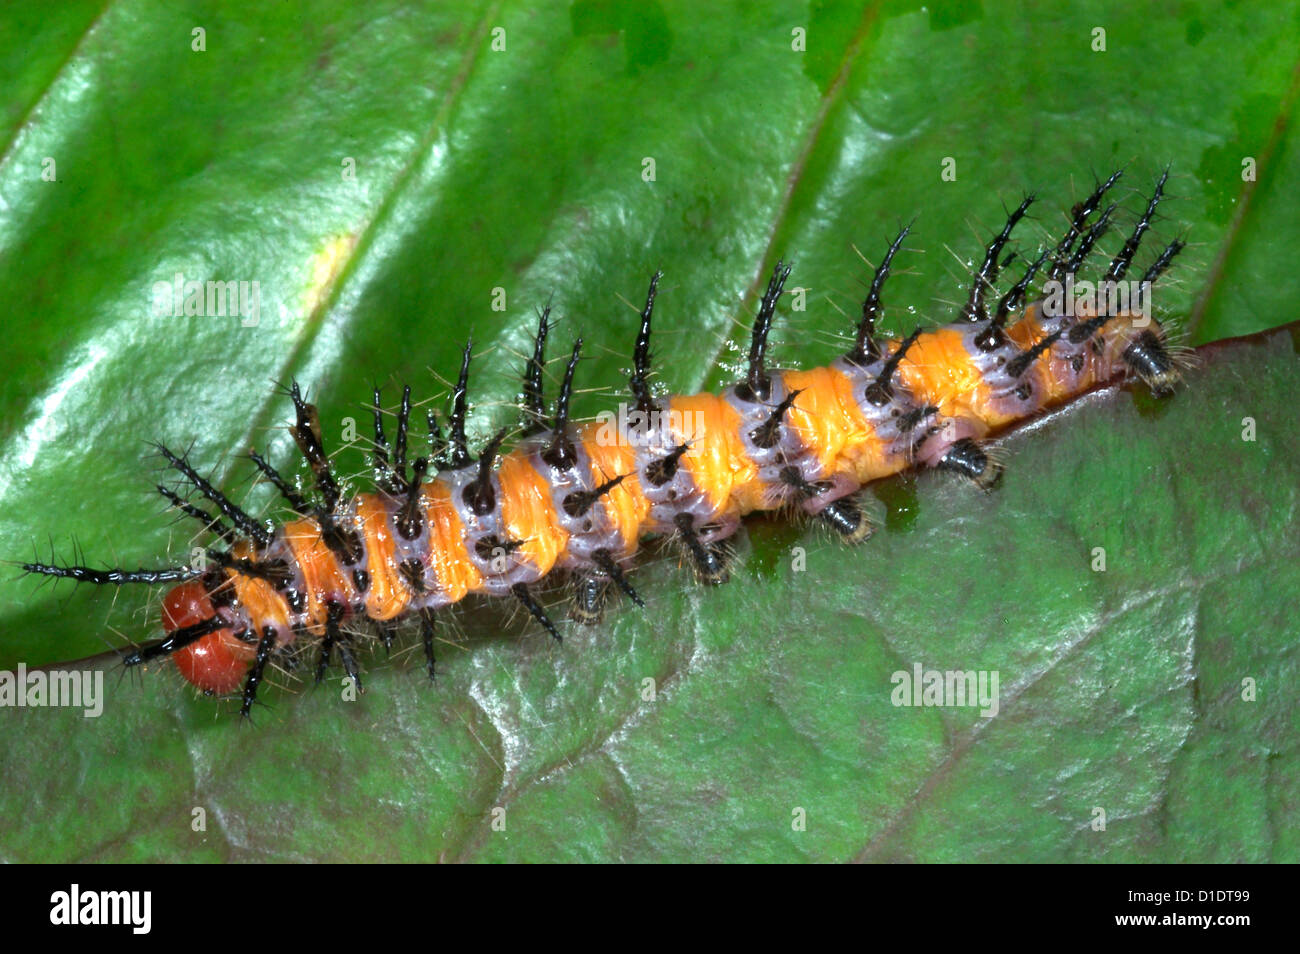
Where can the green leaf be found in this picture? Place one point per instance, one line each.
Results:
(1121, 688)
(522, 169)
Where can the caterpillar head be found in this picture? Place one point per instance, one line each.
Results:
(216, 663)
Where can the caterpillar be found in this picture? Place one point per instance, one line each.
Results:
(577, 499)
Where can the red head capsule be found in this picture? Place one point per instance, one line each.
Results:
(216, 663)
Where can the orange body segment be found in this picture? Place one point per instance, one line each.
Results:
(323, 577)
(625, 505)
(716, 460)
(528, 514)
(455, 571)
(388, 595)
(827, 418)
(939, 367)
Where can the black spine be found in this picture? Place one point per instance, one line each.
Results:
(865, 347)
(640, 380)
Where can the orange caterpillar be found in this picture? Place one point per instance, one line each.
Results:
(580, 498)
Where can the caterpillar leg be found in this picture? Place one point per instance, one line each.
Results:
(287, 658)
(426, 638)
(846, 518)
(336, 638)
(843, 515)
(605, 560)
(710, 561)
(969, 459)
(334, 613)
(264, 647)
(590, 594)
(349, 661)
(323, 658)
(534, 608)
(591, 589)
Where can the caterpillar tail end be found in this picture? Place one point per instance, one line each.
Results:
(1149, 359)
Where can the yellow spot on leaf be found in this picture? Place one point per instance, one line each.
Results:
(325, 268)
